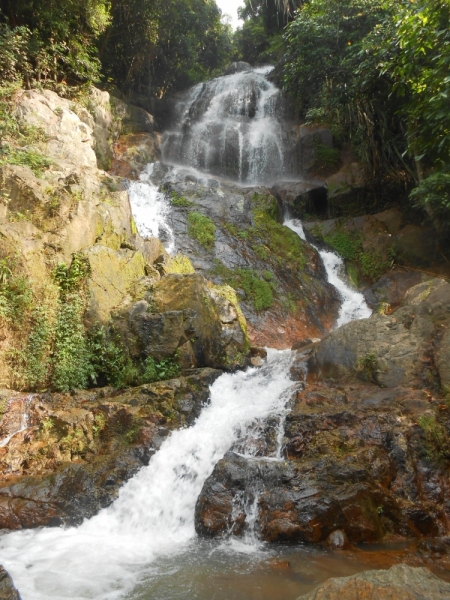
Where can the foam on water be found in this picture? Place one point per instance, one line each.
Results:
(353, 305)
(231, 126)
(150, 209)
(106, 556)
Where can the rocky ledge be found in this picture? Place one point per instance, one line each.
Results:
(366, 442)
(68, 454)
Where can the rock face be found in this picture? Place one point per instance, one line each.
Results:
(385, 234)
(398, 583)
(355, 463)
(7, 589)
(291, 298)
(132, 152)
(408, 347)
(186, 314)
(362, 461)
(75, 451)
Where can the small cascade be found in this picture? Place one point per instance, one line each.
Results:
(233, 127)
(150, 209)
(24, 419)
(353, 305)
(154, 515)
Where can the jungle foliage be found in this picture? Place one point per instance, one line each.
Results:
(377, 72)
(146, 46)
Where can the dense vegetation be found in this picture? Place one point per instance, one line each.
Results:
(375, 71)
(150, 46)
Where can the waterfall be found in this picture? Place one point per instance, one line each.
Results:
(232, 126)
(105, 557)
(353, 305)
(150, 209)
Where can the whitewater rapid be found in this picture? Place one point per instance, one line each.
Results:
(354, 305)
(106, 557)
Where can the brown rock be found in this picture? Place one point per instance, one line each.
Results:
(400, 582)
(7, 589)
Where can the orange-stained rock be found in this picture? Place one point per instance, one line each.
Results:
(400, 582)
(132, 152)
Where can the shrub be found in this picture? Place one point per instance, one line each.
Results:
(177, 199)
(436, 436)
(202, 229)
(27, 158)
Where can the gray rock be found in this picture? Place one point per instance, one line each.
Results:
(393, 349)
(238, 67)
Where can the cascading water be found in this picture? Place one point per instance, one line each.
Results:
(232, 126)
(150, 209)
(23, 426)
(228, 127)
(154, 514)
(353, 304)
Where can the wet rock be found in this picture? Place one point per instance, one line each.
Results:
(392, 287)
(76, 451)
(238, 67)
(402, 348)
(7, 589)
(337, 540)
(400, 582)
(355, 461)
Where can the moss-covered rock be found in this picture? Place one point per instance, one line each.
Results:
(187, 314)
(80, 448)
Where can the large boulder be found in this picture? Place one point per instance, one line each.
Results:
(400, 582)
(402, 348)
(186, 314)
(355, 461)
(70, 140)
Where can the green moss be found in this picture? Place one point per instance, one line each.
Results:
(257, 291)
(179, 264)
(134, 229)
(271, 240)
(202, 229)
(33, 159)
(177, 199)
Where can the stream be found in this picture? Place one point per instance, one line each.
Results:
(144, 546)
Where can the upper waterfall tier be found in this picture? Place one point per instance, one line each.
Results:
(234, 127)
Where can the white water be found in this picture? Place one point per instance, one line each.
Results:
(353, 304)
(150, 209)
(230, 126)
(154, 515)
